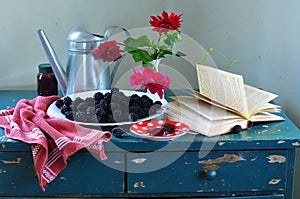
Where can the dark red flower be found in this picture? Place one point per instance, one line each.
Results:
(108, 51)
(156, 88)
(164, 23)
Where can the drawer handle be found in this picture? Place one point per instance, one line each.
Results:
(209, 174)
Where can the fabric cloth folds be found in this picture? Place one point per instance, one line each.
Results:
(52, 140)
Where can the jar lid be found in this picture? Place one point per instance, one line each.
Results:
(45, 68)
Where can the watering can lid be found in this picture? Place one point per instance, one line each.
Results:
(81, 40)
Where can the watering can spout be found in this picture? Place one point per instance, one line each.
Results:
(54, 62)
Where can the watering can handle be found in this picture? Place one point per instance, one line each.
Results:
(117, 65)
(109, 31)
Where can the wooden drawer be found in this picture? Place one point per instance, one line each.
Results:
(217, 172)
(84, 175)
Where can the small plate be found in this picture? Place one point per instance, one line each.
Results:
(142, 129)
(54, 112)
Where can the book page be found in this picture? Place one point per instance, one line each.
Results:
(212, 102)
(223, 87)
(266, 117)
(258, 99)
(200, 124)
(207, 110)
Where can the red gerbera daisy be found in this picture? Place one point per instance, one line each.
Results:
(166, 22)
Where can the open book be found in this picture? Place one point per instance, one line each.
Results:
(223, 102)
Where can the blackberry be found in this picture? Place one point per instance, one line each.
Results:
(76, 102)
(67, 101)
(158, 103)
(103, 104)
(110, 119)
(134, 96)
(134, 99)
(117, 113)
(114, 106)
(133, 117)
(90, 101)
(101, 112)
(107, 97)
(153, 109)
(134, 104)
(146, 99)
(92, 119)
(146, 111)
(59, 103)
(98, 96)
(82, 106)
(80, 116)
(134, 109)
(141, 114)
(236, 129)
(114, 90)
(169, 127)
(69, 115)
(90, 111)
(118, 132)
(102, 119)
(65, 108)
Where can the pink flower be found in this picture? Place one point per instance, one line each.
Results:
(108, 51)
(153, 81)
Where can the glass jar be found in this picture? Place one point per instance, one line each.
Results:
(46, 81)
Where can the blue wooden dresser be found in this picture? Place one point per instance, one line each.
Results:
(257, 163)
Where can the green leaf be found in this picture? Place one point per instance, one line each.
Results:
(174, 36)
(132, 44)
(141, 55)
(202, 60)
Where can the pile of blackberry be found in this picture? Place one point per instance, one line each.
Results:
(110, 107)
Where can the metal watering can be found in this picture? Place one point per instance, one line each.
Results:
(83, 72)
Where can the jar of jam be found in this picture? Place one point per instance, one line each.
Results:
(46, 81)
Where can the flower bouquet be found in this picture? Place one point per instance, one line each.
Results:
(148, 52)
